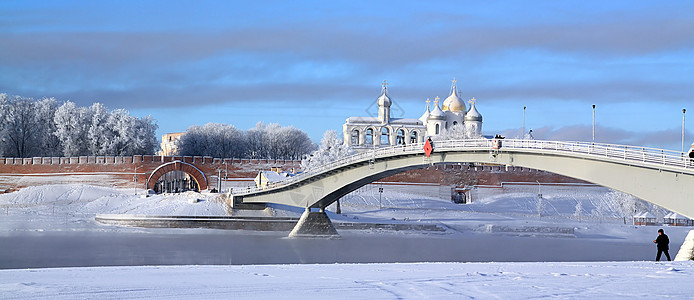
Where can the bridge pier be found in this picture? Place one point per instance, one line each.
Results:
(314, 224)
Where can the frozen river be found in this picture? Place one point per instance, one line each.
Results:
(218, 247)
(54, 227)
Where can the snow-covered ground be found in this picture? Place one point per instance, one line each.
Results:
(605, 280)
(535, 250)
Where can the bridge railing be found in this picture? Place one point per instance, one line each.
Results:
(623, 152)
(609, 151)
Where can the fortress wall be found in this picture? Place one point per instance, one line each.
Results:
(118, 171)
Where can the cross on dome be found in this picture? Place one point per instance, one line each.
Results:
(436, 100)
(384, 84)
(472, 101)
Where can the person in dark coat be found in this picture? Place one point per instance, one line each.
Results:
(663, 245)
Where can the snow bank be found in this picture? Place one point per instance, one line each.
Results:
(56, 194)
(87, 199)
(72, 207)
(183, 204)
(687, 250)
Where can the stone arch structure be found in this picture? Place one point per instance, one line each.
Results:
(355, 137)
(400, 136)
(178, 165)
(414, 136)
(384, 135)
(369, 136)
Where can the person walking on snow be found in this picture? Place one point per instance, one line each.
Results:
(662, 241)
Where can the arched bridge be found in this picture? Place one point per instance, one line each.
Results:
(661, 177)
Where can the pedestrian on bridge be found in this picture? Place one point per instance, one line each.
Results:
(663, 244)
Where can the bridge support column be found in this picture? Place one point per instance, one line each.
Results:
(314, 224)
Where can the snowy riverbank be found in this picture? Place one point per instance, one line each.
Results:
(605, 280)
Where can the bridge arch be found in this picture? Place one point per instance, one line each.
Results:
(193, 171)
(664, 178)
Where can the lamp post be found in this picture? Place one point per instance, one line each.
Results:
(135, 178)
(219, 180)
(540, 204)
(226, 173)
(523, 133)
(593, 123)
(684, 110)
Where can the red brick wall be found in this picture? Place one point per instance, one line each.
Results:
(484, 175)
(118, 171)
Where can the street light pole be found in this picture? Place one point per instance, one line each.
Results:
(593, 123)
(523, 133)
(135, 178)
(684, 110)
(226, 173)
(540, 204)
(219, 180)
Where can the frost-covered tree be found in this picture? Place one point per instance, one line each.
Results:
(49, 128)
(290, 143)
(72, 127)
(48, 143)
(26, 127)
(19, 135)
(455, 132)
(212, 139)
(121, 129)
(263, 141)
(144, 135)
(331, 149)
(578, 212)
(616, 204)
(256, 141)
(95, 130)
(98, 132)
(540, 205)
(4, 107)
(276, 142)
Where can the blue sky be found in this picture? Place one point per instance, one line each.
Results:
(313, 64)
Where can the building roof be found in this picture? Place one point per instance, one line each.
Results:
(437, 113)
(384, 99)
(645, 215)
(363, 120)
(405, 121)
(425, 115)
(675, 216)
(473, 114)
(453, 102)
(273, 176)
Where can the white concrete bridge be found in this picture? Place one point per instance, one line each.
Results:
(662, 177)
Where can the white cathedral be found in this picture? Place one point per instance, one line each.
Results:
(452, 116)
